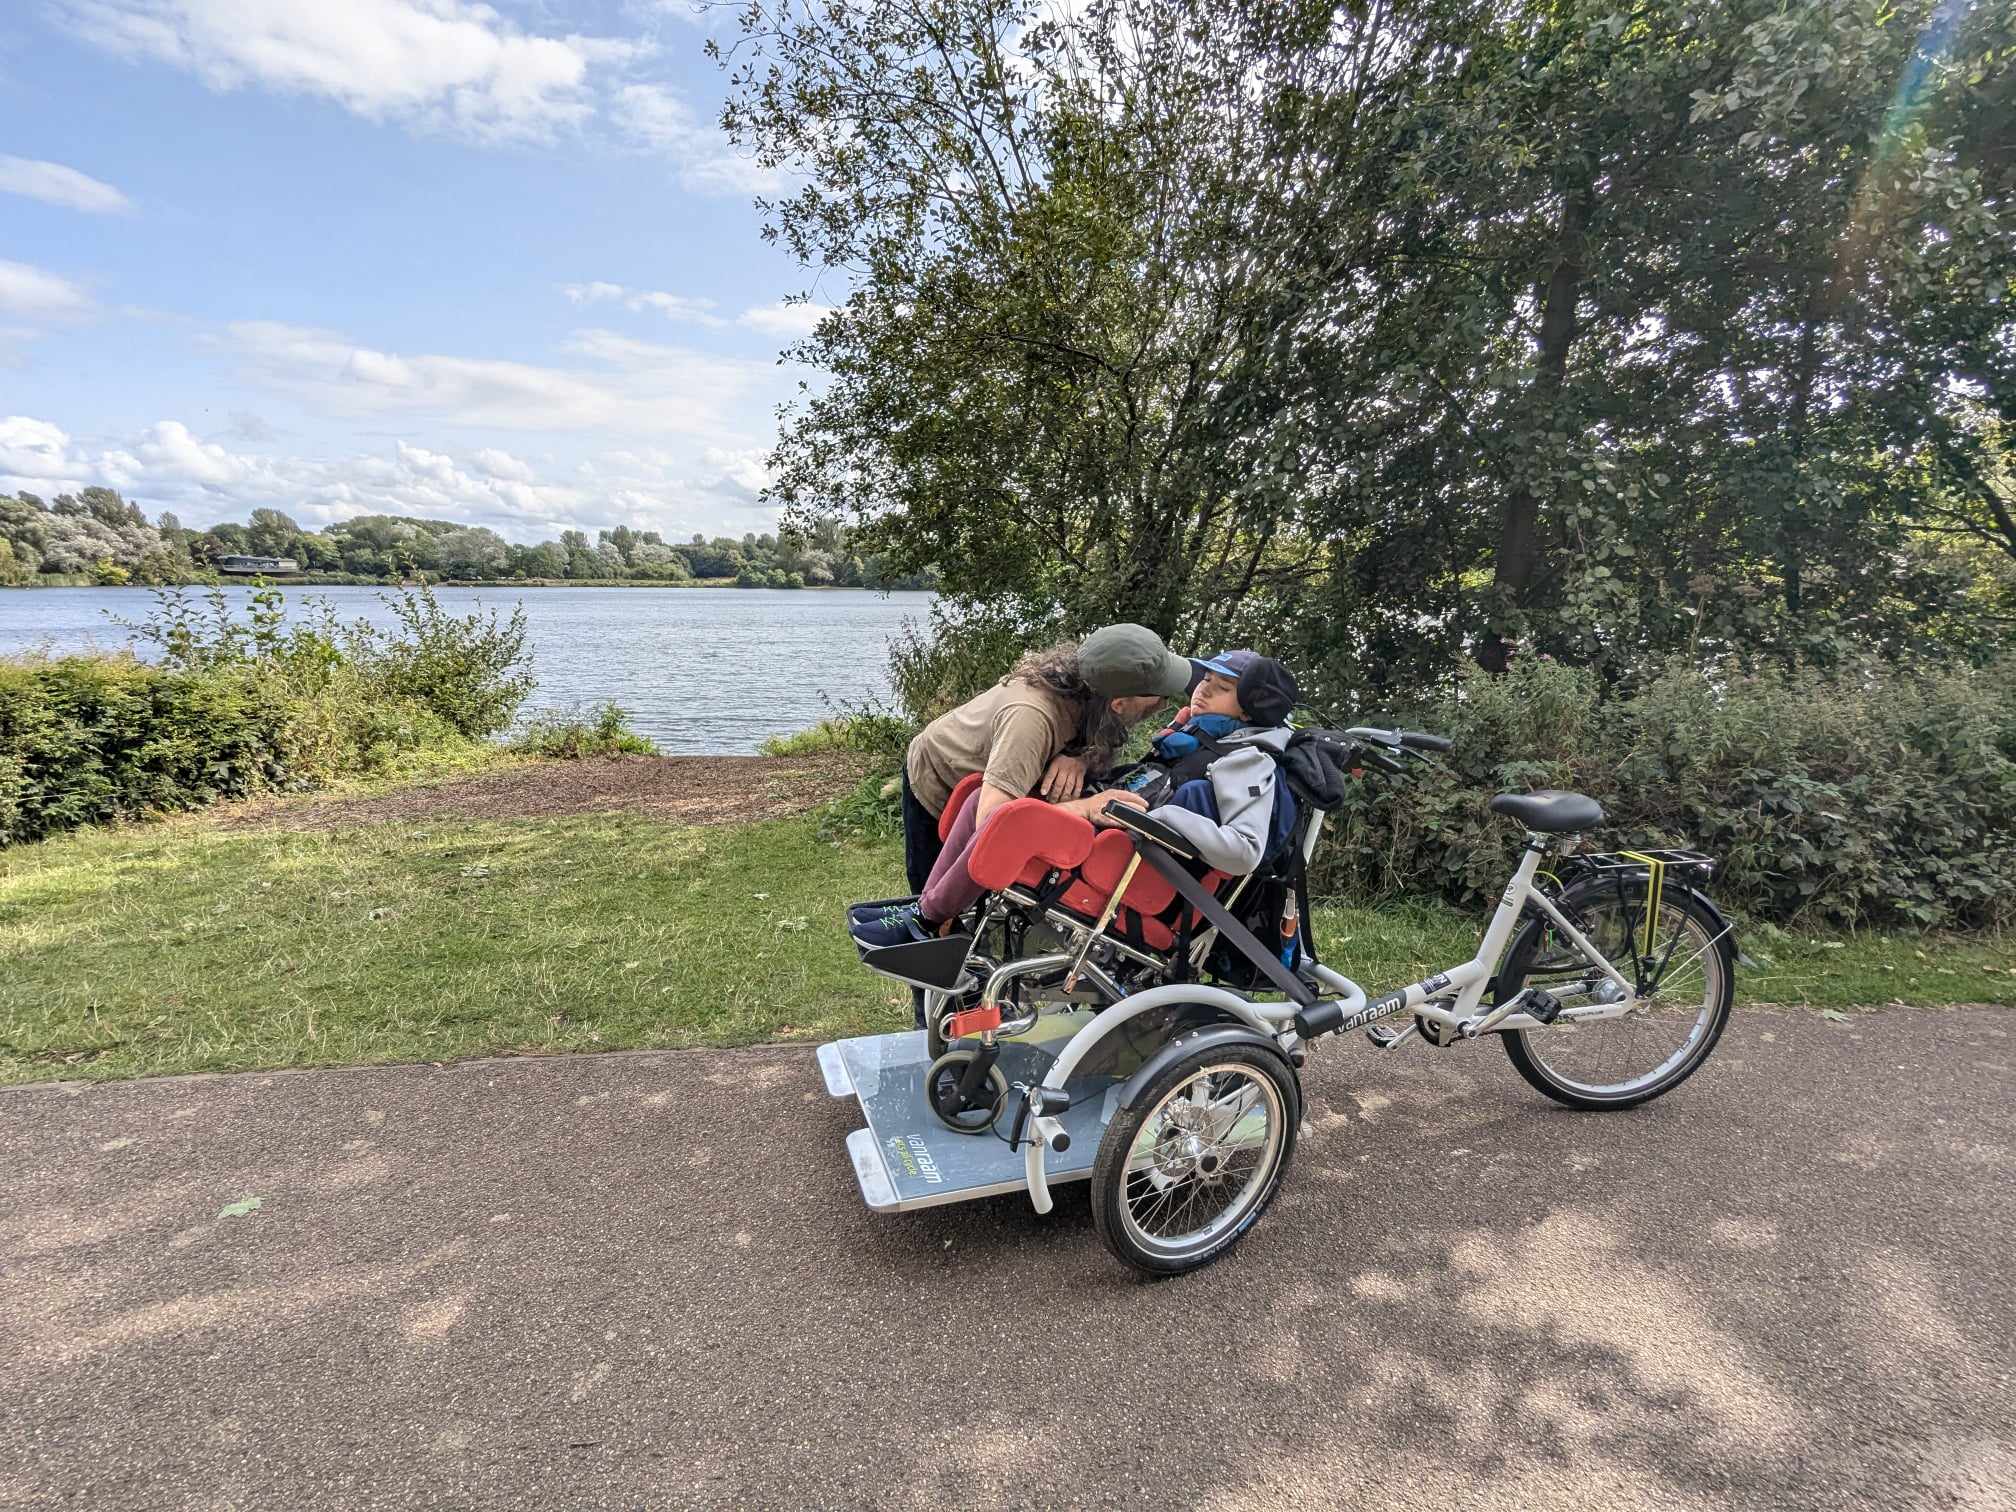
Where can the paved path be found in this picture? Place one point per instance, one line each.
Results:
(646, 1280)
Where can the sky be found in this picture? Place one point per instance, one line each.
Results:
(486, 263)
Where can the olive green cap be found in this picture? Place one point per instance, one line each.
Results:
(1130, 661)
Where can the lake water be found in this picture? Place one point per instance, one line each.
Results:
(702, 671)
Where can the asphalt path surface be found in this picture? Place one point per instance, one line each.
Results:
(647, 1280)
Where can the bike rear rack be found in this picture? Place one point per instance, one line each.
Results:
(1637, 862)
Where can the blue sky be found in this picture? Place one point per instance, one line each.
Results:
(490, 263)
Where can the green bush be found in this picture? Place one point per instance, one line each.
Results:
(1869, 794)
(874, 731)
(573, 737)
(464, 668)
(237, 706)
(84, 740)
(872, 807)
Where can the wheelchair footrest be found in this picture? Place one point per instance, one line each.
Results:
(938, 963)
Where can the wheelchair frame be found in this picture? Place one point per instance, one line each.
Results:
(934, 1165)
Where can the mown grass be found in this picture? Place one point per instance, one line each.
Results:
(184, 947)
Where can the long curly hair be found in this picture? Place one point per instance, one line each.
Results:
(1101, 732)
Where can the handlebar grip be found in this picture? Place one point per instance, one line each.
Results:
(1421, 740)
(1319, 1018)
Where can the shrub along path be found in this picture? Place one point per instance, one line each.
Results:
(536, 909)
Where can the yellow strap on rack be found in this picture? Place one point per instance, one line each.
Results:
(1655, 888)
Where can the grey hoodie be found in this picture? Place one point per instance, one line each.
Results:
(1242, 784)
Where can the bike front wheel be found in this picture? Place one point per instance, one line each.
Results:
(1192, 1166)
(1676, 944)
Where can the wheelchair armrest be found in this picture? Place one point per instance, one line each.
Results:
(1148, 828)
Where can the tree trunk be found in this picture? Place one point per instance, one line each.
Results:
(1517, 568)
(1802, 409)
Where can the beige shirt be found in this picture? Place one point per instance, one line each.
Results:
(1011, 732)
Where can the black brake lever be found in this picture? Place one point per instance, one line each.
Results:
(1365, 755)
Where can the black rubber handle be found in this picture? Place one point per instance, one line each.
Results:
(1321, 1018)
(1133, 819)
(1421, 740)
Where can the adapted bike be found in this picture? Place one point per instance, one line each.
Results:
(1112, 1011)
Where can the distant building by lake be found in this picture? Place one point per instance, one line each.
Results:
(256, 565)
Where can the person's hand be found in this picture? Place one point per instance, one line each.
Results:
(1064, 779)
(1099, 801)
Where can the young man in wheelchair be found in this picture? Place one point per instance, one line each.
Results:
(1211, 778)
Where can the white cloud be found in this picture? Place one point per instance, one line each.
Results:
(671, 306)
(26, 290)
(168, 466)
(501, 464)
(747, 470)
(55, 184)
(35, 455)
(705, 160)
(443, 64)
(789, 320)
(636, 387)
(170, 450)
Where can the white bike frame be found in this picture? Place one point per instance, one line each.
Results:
(1449, 998)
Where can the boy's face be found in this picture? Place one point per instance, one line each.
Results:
(1216, 695)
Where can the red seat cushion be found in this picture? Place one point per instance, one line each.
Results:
(1019, 835)
(1149, 892)
(965, 788)
(1026, 840)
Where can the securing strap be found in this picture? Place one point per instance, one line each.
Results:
(1249, 944)
(1655, 889)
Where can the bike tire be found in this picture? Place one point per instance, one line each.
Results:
(1537, 1058)
(1119, 1226)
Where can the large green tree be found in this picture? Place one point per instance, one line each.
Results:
(1410, 329)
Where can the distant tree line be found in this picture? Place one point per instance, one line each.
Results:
(98, 536)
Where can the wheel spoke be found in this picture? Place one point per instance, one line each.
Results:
(1630, 1051)
(1200, 1159)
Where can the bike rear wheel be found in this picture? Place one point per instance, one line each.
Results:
(1684, 953)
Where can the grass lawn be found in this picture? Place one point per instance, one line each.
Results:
(185, 947)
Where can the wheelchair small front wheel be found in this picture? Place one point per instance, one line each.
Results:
(1191, 1167)
(957, 1113)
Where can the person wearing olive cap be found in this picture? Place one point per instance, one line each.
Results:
(1036, 731)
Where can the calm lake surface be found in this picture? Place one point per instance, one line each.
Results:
(702, 671)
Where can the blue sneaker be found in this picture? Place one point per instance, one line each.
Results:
(871, 913)
(898, 924)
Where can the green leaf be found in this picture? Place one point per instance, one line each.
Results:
(240, 1208)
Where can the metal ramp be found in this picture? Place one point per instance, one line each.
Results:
(907, 1159)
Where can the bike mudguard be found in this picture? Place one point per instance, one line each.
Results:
(1535, 920)
(1598, 877)
(1215, 1037)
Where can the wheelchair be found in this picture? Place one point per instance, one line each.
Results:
(1112, 1010)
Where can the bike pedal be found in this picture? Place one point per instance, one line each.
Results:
(1541, 1005)
(1384, 1038)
